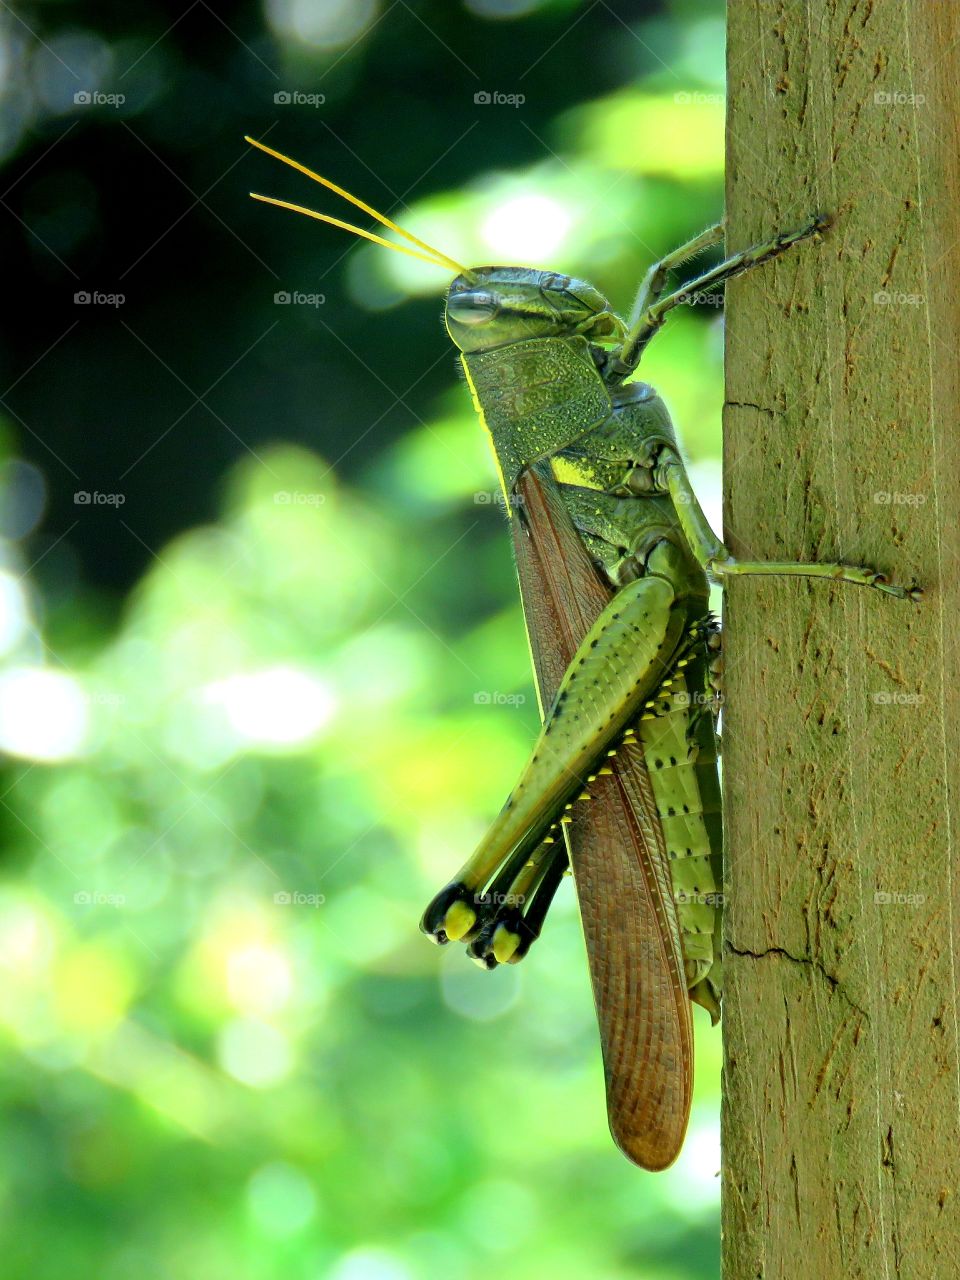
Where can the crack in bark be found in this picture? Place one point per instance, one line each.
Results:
(834, 983)
(747, 404)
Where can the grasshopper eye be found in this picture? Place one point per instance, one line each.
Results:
(473, 306)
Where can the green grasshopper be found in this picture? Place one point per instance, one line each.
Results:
(614, 558)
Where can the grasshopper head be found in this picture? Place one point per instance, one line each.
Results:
(492, 306)
(486, 306)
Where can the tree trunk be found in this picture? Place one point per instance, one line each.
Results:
(841, 1117)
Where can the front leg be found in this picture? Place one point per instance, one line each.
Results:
(717, 560)
(655, 280)
(644, 323)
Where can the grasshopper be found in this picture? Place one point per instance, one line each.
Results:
(614, 558)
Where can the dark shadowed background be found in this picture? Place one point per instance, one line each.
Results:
(263, 676)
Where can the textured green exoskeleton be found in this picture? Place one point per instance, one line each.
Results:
(614, 557)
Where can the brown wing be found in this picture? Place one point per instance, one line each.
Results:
(618, 857)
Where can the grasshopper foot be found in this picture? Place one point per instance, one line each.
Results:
(503, 939)
(725, 566)
(883, 583)
(451, 915)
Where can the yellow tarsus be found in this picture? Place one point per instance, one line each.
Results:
(459, 920)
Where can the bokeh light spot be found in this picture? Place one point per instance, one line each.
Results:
(258, 979)
(254, 1053)
(23, 498)
(476, 994)
(370, 1264)
(281, 1199)
(94, 985)
(324, 24)
(43, 714)
(528, 227)
(26, 938)
(280, 706)
(14, 615)
(699, 1162)
(502, 8)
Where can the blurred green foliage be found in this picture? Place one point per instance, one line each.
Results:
(256, 715)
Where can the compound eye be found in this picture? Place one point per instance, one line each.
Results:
(473, 306)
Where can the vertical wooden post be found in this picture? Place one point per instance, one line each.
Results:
(841, 741)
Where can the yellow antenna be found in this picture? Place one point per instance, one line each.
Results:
(429, 254)
(357, 231)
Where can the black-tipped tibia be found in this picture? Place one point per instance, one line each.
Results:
(451, 915)
(508, 935)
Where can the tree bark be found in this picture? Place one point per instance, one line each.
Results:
(841, 748)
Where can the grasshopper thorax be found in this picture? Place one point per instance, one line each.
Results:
(528, 344)
(494, 306)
